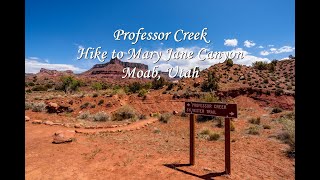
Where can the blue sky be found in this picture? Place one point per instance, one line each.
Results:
(54, 30)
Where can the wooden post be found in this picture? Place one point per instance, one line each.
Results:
(227, 145)
(192, 138)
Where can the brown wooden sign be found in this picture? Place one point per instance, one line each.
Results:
(228, 111)
(212, 109)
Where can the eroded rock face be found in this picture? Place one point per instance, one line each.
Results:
(63, 136)
(36, 122)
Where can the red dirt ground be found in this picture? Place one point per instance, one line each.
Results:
(145, 154)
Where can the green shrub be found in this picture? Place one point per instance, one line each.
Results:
(158, 84)
(27, 106)
(232, 128)
(278, 91)
(205, 131)
(69, 84)
(209, 97)
(210, 83)
(99, 86)
(213, 136)
(84, 115)
(147, 85)
(220, 120)
(253, 130)
(31, 84)
(38, 107)
(125, 112)
(142, 116)
(266, 81)
(28, 91)
(260, 65)
(255, 120)
(101, 116)
(95, 95)
(142, 92)
(135, 87)
(170, 86)
(39, 88)
(85, 105)
(93, 106)
(288, 134)
(276, 110)
(266, 126)
(229, 62)
(165, 117)
(100, 102)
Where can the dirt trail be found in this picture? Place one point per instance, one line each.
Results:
(134, 126)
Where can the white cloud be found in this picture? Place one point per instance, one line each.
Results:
(270, 45)
(283, 49)
(79, 46)
(46, 60)
(231, 42)
(34, 66)
(191, 63)
(273, 49)
(34, 58)
(249, 44)
(264, 53)
(260, 47)
(161, 43)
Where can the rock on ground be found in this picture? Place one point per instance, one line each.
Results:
(63, 136)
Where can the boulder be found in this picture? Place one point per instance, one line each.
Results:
(63, 136)
(26, 118)
(36, 122)
(48, 123)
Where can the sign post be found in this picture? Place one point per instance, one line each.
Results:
(225, 110)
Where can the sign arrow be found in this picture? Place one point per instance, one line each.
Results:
(231, 113)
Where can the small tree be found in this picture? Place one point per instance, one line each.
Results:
(211, 83)
(69, 84)
(157, 84)
(229, 62)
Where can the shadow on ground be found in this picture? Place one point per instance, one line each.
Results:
(206, 176)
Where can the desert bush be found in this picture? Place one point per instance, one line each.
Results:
(205, 131)
(135, 87)
(210, 83)
(232, 127)
(170, 86)
(99, 86)
(101, 116)
(69, 84)
(156, 130)
(266, 81)
(266, 126)
(38, 107)
(288, 134)
(278, 91)
(289, 87)
(101, 102)
(84, 115)
(209, 97)
(39, 88)
(260, 65)
(31, 84)
(92, 106)
(28, 91)
(125, 112)
(220, 121)
(147, 85)
(158, 84)
(142, 116)
(253, 130)
(85, 105)
(255, 120)
(229, 62)
(27, 106)
(165, 117)
(183, 113)
(213, 136)
(142, 92)
(276, 110)
(95, 95)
